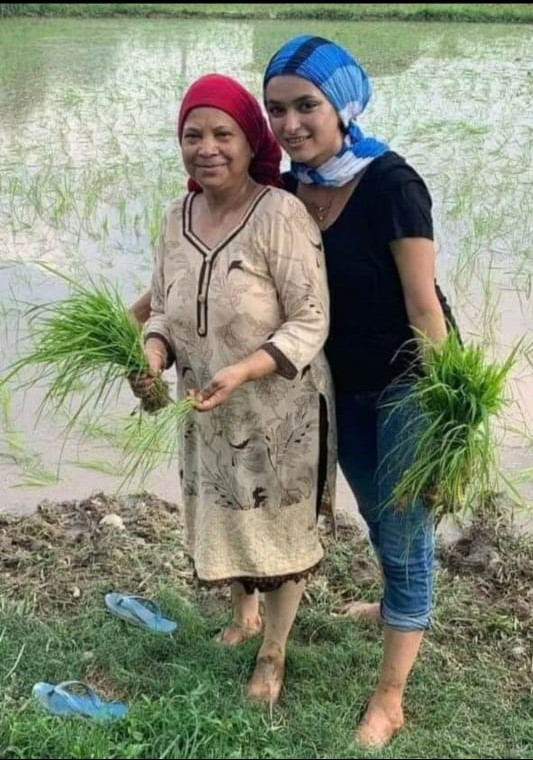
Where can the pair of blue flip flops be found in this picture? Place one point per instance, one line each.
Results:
(77, 698)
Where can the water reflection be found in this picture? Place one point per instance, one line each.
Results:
(89, 159)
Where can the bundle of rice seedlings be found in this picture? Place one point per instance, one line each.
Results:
(88, 335)
(456, 457)
(90, 338)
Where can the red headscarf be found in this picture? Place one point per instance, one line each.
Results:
(218, 91)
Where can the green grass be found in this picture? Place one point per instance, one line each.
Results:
(469, 696)
(185, 694)
(476, 12)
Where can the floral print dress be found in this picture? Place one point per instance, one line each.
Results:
(249, 469)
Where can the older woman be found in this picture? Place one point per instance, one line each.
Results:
(240, 304)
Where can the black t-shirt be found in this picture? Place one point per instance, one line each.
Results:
(370, 341)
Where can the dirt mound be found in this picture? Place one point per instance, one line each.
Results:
(65, 549)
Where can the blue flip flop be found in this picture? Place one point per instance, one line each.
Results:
(139, 611)
(61, 700)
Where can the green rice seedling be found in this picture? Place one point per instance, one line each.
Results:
(90, 337)
(96, 430)
(37, 476)
(456, 456)
(150, 439)
(5, 407)
(100, 465)
(15, 448)
(89, 333)
(528, 353)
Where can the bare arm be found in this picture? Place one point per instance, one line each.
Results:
(415, 260)
(253, 367)
(141, 308)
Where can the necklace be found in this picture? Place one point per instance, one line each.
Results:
(320, 212)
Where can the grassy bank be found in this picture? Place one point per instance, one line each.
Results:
(469, 697)
(477, 12)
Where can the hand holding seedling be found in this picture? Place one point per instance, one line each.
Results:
(224, 382)
(227, 380)
(148, 385)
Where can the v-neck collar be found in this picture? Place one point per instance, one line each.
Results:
(198, 243)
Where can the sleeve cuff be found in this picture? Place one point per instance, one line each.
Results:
(170, 351)
(285, 367)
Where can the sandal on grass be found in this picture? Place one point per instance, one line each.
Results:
(139, 611)
(64, 700)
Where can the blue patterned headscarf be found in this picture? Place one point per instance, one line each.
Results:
(343, 81)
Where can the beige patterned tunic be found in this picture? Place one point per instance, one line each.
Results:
(249, 467)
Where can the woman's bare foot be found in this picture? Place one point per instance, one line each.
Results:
(366, 610)
(381, 722)
(238, 633)
(267, 679)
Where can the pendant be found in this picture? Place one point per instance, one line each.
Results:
(320, 212)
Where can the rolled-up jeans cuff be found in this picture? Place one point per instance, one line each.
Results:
(402, 622)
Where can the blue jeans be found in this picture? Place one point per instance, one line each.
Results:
(376, 444)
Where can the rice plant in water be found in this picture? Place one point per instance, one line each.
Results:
(456, 456)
